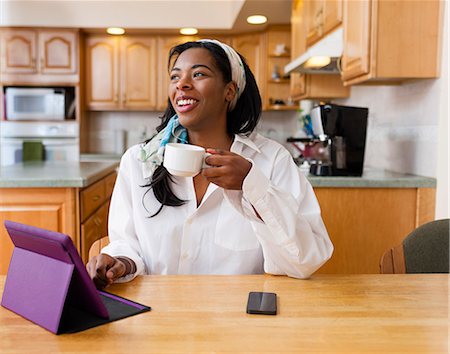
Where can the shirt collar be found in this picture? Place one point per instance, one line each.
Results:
(243, 140)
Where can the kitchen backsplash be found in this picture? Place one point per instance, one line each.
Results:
(403, 131)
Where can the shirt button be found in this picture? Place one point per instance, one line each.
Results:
(185, 255)
(189, 221)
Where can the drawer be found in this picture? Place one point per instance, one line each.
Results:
(91, 198)
(95, 227)
(109, 184)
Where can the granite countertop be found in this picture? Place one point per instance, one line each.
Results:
(54, 174)
(374, 178)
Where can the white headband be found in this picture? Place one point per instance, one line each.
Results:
(237, 69)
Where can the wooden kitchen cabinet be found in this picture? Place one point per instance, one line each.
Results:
(49, 208)
(121, 73)
(391, 41)
(365, 222)
(276, 95)
(322, 16)
(94, 206)
(79, 213)
(308, 86)
(39, 56)
(317, 86)
(252, 48)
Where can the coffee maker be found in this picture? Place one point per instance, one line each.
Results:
(338, 143)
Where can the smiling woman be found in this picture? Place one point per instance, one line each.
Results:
(249, 211)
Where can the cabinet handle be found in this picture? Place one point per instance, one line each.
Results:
(125, 97)
(116, 97)
(97, 221)
(95, 197)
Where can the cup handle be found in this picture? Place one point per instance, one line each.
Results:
(204, 164)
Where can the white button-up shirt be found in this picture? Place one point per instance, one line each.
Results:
(222, 235)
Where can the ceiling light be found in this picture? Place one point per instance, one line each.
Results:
(257, 19)
(317, 62)
(115, 30)
(188, 31)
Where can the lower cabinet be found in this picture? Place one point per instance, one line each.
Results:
(363, 223)
(79, 213)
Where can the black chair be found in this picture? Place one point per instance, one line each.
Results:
(424, 250)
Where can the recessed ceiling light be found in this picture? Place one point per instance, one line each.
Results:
(187, 31)
(257, 19)
(115, 30)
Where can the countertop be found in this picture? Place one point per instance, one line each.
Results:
(89, 170)
(374, 178)
(54, 174)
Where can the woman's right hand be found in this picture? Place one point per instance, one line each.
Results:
(104, 270)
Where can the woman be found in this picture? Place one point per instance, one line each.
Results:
(250, 212)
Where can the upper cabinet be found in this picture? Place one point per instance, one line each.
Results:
(39, 56)
(251, 47)
(314, 86)
(121, 73)
(322, 16)
(388, 41)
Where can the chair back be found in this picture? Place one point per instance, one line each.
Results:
(424, 250)
(97, 246)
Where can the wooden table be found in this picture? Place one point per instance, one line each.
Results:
(327, 313)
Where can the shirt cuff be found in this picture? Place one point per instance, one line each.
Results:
(255, 185)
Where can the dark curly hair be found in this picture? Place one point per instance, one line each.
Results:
(241, 120)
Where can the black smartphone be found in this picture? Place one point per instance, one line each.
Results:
(262, 303)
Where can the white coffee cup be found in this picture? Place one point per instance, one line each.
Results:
(184, 160)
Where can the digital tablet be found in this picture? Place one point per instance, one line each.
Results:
(84, 305)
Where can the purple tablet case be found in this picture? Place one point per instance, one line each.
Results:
(48, 284)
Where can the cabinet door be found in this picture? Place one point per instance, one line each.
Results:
(18, 52)
(49, 208)
(298, 86)
(251, 47)
(332, 15)
(94, 229)
(298, 29)
(102, 72)
(138, 81)
(58, 52)
(356, 55)
(314, 17)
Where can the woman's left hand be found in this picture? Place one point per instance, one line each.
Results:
(228, 170)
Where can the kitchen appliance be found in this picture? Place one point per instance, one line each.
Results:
(60, 140)
(35, 103)
(322, 58)
(338, 145)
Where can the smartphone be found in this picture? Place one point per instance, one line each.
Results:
(262, 303)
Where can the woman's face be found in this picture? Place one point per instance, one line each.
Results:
(198, 92)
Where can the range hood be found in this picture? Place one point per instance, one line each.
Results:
(322, 58)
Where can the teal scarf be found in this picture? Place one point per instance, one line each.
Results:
(151, 154)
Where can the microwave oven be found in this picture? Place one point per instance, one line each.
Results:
(35, 103)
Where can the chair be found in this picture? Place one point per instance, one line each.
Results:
(97, 246)
(424, 250)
